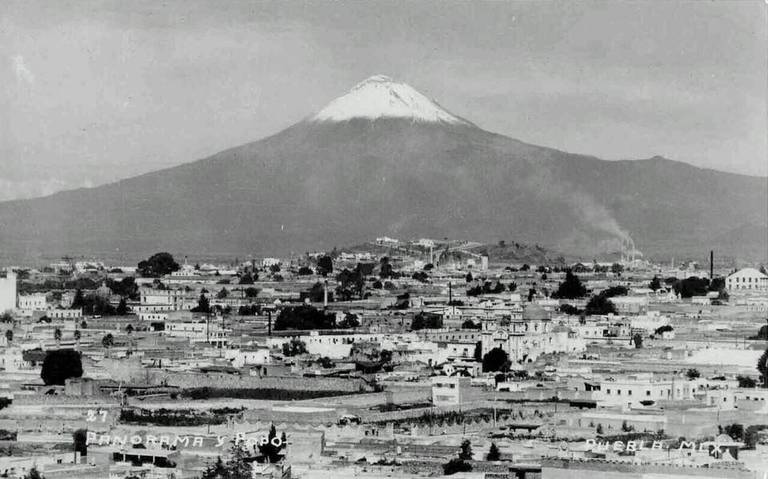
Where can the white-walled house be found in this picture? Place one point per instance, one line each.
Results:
(747, 279)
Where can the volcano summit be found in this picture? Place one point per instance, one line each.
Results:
(384, 159)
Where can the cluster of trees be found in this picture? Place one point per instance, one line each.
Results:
(304, 317)
(695, 286)
(294, 347)
(126, 287)
(420, 276)
(426, 321)
(748, 435)
(600, 304)
(324, 265)
(94, 304)
(249, 310)
(469, 324)
(60, 365)
(157, 265)
(385, 269)
(351, 283)
(487, 287)
(350, 321)
(249, 277)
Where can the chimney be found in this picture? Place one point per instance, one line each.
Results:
(711, 264)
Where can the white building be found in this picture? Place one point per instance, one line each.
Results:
(267, 262)
(630, 304)
(32, 302)
(198, 332)
(644, 389)
(8, 292)
(446, 390)
(56, 313)
(526, 339)
(165, 300)
(747, 279)
(248, 357)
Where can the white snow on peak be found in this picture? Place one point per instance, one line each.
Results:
(381, 97)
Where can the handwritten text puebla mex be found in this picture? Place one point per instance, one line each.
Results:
(632, 446)
(94, 439)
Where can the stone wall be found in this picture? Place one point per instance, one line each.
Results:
(236, 381)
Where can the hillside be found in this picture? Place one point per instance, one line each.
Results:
(319, 184)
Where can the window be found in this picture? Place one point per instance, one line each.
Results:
(648, 393)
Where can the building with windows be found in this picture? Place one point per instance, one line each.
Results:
(747, 279)
(32, 302)
(644, 389)
(447, 390)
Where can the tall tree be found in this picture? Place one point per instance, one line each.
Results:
(466, 450)
(325, 265)
(270, 452)
(493, 453)
(108, 341)
(571, 288)
(762, 366)
(203, 305)
(79, 300)
(496, 360)
(122, 307)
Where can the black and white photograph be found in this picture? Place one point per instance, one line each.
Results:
(383, 239)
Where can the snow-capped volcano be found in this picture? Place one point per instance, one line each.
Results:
(381, 97)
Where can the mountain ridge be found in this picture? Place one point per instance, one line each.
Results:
(321, 184)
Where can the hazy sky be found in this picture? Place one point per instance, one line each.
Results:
(96, 91)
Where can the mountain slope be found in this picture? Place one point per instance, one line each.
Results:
(409, 170)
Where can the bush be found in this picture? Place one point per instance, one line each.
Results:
(60, 365)
(746, 382)
(456, 465)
